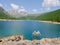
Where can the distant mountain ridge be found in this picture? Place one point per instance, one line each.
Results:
(1, 9)
(4, 14)
(17, 14)
(49, 16)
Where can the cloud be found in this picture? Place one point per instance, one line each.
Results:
(1, 5)
(34, 10)
(18, 8)
(22, 9)
(18, 11)
(14, 6)
(50, 3)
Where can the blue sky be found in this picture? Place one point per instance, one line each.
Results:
(31, 6)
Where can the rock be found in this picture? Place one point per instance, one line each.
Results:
(0, 40)
(49, 41)
(16, 40)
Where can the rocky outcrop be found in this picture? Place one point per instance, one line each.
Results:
(12, 38)
(16, 40)
(50, 41)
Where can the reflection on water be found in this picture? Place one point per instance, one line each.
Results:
(26, 28)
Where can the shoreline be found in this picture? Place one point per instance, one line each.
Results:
(51, 22)
(31, 20)
(15, 40)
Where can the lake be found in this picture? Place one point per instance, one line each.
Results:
(26, 28)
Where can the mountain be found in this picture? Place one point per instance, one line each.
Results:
(29, 17)
(4, 14)
(17, 13)
(1, 9)
(50, 16)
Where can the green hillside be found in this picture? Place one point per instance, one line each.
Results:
(50, 16)
(4, 14)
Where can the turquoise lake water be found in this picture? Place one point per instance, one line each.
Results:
(26, 28)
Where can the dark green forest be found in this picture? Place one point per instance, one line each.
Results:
(50, 16)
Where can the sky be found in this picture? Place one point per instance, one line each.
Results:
(30, 6)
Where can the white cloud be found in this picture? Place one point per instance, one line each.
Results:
(18, 11)
(14, 6)
(50, 3)
(22, 10)
(34, 10)
(18, 8)
(1, 5)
